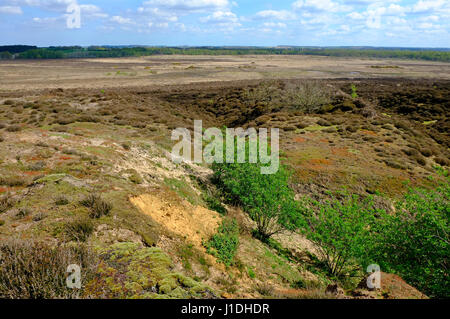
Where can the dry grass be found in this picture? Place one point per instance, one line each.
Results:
(34, 270)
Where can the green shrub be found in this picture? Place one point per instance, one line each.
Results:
(339, 231)
(414, 242)
(251, 273)
(214, 204)
(354, 94)
(266, 198)
(223, 245)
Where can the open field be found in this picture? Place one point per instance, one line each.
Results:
(169, 70)
(71, 128)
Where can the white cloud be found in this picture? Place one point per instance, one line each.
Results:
(428, 5)
(276, 15)
(224, 20)
(188, 5)
(274, 25)
(319, 6)
(90, 10)
(355, 16)
(121, 20)
(220, 16)
(11, 10)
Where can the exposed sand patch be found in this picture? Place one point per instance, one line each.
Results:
(194, 223)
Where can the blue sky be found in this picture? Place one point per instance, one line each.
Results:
(405, 23)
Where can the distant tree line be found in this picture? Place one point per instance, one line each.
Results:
(32, 52)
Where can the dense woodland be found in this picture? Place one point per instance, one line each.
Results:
(33, 52)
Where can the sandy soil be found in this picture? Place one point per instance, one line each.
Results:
(167, 70)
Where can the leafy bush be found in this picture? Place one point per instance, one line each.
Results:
(214, 204)
(354, 94)
(224, 244)
(339, 230)
(266, 198)
(33, 270)
(414, 242)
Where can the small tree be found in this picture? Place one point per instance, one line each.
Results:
(266, 198)
(308, 96)
(339, 230)
(415, 243)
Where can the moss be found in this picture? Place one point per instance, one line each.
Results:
(136, 178)
(131, 271)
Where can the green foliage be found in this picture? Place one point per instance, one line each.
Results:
(251, 273)
(266, 198)
(214, 204)
(414, 242)
(103, 52)
(223, 245)
(340, 231)
(354, 94)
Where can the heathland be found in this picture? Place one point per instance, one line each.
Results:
(86, 178)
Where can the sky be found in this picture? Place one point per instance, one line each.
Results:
(390, 23)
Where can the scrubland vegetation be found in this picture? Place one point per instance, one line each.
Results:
(86, 178)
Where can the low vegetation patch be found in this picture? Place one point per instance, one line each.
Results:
(224, 244)
(97, 206)
(34, 270)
